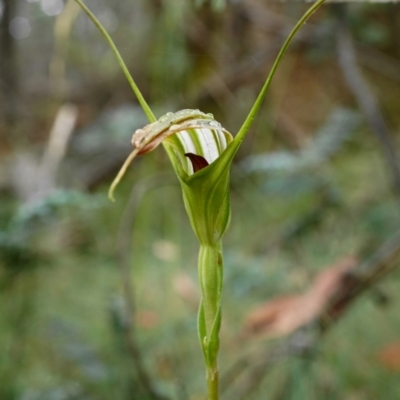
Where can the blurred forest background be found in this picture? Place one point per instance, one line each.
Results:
(98, 300)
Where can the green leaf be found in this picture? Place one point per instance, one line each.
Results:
(213, 342)
(120, 60)
(202, 331)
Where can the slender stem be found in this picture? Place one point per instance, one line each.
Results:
(257, 104)
(213, 385)
(210, 276)
(121, 62)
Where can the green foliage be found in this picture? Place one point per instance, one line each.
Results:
(217, 5)
(63, 316)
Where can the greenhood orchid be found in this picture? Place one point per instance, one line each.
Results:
(201, 152)
(193, 137)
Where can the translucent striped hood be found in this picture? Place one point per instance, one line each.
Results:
(196, 138)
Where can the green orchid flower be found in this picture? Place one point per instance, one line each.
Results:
(197, 146)
(201, 152)
(195, 143)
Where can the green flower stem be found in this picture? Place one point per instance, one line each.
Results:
(212, 385)
(121, 62)
(210, 276)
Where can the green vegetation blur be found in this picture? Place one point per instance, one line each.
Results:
(98, 300)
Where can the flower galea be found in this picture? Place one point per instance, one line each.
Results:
(191, 133)
(195, 143)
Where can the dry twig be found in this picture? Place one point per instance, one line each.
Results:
(364, 95)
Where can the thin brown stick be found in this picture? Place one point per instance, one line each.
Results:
(363, 94)
(9, 76)
(364, 277)
(56, 148)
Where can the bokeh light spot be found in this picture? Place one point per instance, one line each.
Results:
(52, 7)
(20, 28)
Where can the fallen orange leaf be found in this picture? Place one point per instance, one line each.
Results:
(285, 314)
(186, 289)
(147, 319)
(389, 356)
